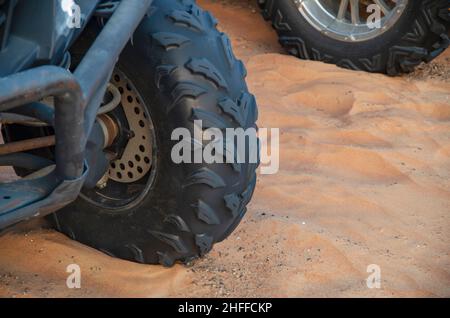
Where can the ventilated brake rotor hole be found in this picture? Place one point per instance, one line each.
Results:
(141, 123)
(122, 166)
(130, 164)
(130, 99)
(117, 78)
(113, 165)
(129, 87)
(130, 175)
(142, 148)
(121, 90)
(138, 158)
(137, 111)
(140, 170)
(119, 175)
(146, 160)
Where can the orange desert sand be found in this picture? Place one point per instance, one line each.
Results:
(364, 179)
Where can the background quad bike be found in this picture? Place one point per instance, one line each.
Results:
(418, 34)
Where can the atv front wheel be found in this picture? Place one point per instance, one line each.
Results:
(344, 32)
(178, 68)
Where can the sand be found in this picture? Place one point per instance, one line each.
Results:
(364, 179)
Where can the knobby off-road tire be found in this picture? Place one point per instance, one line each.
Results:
(420, 35)
(185, 70)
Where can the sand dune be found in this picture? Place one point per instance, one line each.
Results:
(364, 179)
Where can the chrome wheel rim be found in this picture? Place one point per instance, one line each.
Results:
(352, 20)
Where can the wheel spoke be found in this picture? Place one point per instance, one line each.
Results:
(383, 6)
(354, 7)
(342, 9)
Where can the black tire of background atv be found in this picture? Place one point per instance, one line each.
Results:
(419, 36)
(177, 59)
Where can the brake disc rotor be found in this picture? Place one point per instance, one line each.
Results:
(135, 162)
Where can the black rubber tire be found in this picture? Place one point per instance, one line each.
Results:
(420, 35)
(185, 69)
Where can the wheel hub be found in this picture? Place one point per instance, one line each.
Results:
(347, 20)
(130, 143)
(135, 161)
